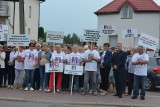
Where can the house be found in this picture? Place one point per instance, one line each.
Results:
(9, 15)
(143, 15)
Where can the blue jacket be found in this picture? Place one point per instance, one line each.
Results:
(107, 59)
(48, 55)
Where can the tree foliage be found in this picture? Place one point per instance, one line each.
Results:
(71, 39)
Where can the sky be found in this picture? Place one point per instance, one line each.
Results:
(71, 16)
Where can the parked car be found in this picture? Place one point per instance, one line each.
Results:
(153, 73)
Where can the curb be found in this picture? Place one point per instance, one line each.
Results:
(74, 103)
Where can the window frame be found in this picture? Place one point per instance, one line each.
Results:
(129, 11)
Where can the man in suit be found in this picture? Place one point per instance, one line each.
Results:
(118, 64)
(105, 67)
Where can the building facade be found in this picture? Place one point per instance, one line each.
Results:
(129, 14)
(11, 16)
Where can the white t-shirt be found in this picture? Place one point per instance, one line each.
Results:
(11, 57)
(30, 56)
(58, 57)
(19, 65)
(74, 58)
(140, 70)
(91, 66)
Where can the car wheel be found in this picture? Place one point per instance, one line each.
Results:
(149, 84)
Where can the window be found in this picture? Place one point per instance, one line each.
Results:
(30, 11)
(29, 31)
(127, 12)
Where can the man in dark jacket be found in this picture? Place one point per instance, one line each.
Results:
(105, 67)
(118, 64)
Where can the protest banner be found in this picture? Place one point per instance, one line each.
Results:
(73, 69)
(54, 37)
(49, 67)
(18, 40)
(91, 35)
(108, 30)
(148, 41)
(128, 33)
(1, 36)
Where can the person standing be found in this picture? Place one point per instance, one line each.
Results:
(57, 57)
(19, 68)
(105, 67)
(44, 57)
(131, 69)
(91, 58)
(11, 70)
(140, 60)
(3, 76)
(30, 57)
(118, 63)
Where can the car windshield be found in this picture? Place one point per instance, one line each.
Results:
(153, 62)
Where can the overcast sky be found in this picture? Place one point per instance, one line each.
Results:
(71, 16)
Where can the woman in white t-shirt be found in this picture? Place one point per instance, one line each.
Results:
(30, 61)
(74, 59)
(57, 57)
(19, 68)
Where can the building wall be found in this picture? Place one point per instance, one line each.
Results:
(30, 22)
(144, 22)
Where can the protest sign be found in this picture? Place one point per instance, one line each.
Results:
(54, 37)
(91, 35)
(18, 40)
(148, 41)
(128, 33)
(73, 69)
(1, 36)
(108, 30)
(49, 67)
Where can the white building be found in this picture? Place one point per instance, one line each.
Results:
(31, 13)
(143, 15)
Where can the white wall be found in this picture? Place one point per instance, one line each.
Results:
(145, 22)
(31, 23)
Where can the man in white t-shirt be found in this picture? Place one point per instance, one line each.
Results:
(91, 59)
(140, 60)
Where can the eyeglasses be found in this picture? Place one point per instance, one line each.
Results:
(31, 46)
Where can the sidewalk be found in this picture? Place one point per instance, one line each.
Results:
(152, 98)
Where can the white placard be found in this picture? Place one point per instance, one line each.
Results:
(18, 40)
(73, 69)
(108, 30)
(4, 28)
(54, 37)
(128, 33)
(91, 35)
(49, 67)
(148, 41)
(1, 36)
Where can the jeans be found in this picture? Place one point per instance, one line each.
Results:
(43, 77)
(130, 82)
(139, 80)
(90, 76)
(29, 76)
(11, 75)
(3, 76)
(76, 82)
(36, 83)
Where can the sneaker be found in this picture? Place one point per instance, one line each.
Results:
(134, 97)
(31, 89)
(83, 93)
(58, 91)
(12, 86)
(103, 93)
(94, 93)
(8, 86)
(26, 89)
(90, 92)
(48, 91)
(40, 89)
(45, 90)
(142, 98)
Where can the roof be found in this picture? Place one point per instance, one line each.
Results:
(137, 5)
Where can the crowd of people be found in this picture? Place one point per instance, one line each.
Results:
(24, 68)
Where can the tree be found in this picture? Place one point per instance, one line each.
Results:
(41, 33)
(71, 39)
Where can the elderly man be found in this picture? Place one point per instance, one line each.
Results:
(140, 60)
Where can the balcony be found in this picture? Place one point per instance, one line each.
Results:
(4, 11)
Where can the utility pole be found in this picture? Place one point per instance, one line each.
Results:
(21, 17)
